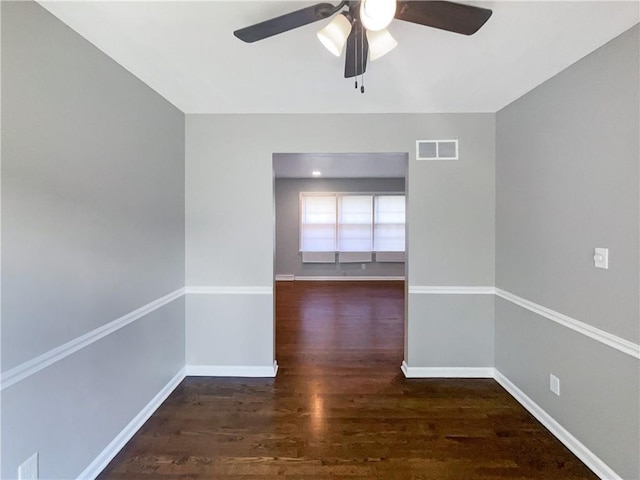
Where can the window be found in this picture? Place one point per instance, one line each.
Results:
(345, 222)
(389, 223)
(355, 217)
(318, 223)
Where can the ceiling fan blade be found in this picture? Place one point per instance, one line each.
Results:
(356, 52)
(454, 17)
(286, 22)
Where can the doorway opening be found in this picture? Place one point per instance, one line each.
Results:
(340, 259)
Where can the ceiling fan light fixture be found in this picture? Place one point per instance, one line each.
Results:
(335, 34)
(377, 14)
(380, 43)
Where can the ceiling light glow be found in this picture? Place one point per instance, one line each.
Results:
(377, 14)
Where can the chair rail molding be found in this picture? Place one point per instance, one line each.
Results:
(228, 290)
(30, 367)
(622, 345)
(452, 290)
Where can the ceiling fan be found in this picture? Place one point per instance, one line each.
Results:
(362, 25)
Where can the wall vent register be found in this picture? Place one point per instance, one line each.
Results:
(437, 150)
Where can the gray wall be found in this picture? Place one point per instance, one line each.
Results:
(230, 215)
(92, 229)
(288, 256)
(567, 181)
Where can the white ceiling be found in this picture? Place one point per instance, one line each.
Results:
(340, 165)
(186, 51)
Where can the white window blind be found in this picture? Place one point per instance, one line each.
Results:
(389, 224)
(355, 223)
(318, 223)
(355, 257)
(352, 224)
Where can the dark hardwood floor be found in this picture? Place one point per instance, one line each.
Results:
(340, 408)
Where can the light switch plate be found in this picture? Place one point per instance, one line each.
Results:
(601, 258)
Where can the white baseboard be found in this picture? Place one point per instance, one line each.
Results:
(285, 277)
(446, 372)
(111, 450)
(589, 458)
(344, 278)
(231, 370)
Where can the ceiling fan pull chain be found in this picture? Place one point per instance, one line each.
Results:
(355, 57)
(362, 59)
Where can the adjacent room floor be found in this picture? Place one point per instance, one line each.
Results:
(340, 408)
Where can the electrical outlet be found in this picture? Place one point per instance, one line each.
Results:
(29, 468)
(601, 258)
(554, 384)
(363, 266)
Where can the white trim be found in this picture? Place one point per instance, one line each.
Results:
(343, 278)
(114, 447)
(30, 367)
(285, 277)
(624, 346)
(620, 344)
(589, 458)
(452, 290)
(446, 372)
(240, 290)
(231, 370)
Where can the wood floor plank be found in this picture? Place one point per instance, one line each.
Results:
(340, 408)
